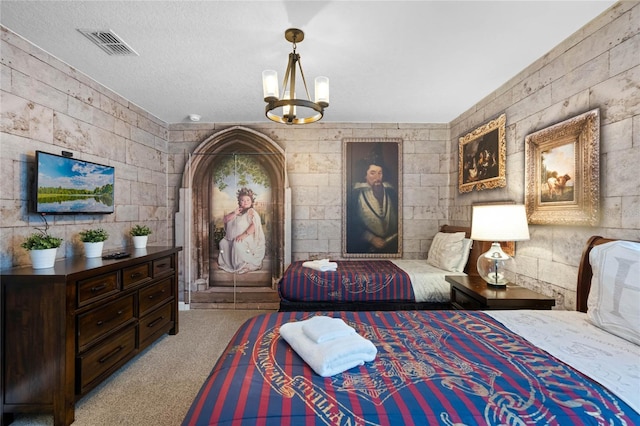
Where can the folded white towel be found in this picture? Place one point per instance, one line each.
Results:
(332, 357)
(322, 265)
(322, 328)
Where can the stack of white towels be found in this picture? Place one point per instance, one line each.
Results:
(328, 344)
(322, 265)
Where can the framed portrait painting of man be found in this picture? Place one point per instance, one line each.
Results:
(482, 157)
(372, 198)
(562, 172)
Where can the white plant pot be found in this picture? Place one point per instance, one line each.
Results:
(140, 241)
(41, 259)
(93, 249)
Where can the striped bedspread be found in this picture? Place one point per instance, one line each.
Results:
(432, 367)
(354, 281)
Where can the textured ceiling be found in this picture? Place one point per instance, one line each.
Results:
(388, 61)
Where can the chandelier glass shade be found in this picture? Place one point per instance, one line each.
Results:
(290, 109)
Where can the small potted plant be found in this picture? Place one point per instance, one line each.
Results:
(93, 240)
(42, 248)
(140, 235)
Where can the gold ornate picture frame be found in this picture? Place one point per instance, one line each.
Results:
(562, 172)
(482, 157)
(372, 198)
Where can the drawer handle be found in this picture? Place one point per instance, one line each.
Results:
(162, 265)
(136, 274)
(98, 287)
(151, 296)
(110, 354)
(99, 323)
(154, 322)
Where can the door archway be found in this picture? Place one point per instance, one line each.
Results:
(196, 227)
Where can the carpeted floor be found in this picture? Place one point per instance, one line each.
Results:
(157, 387)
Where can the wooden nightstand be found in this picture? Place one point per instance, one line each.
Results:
(473, 293)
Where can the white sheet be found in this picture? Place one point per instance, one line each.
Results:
(569, 336)
(427, 280)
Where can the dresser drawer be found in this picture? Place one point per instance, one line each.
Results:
(155, 322)
(463, 301)
(155, 295)
(100, 321)
(96, 288)
(163, 265)
(135, 275)
(105, 356)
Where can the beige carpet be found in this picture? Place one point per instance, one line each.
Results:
(157, 387)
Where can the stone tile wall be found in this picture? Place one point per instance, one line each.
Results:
(46, 105)
(598, 67)
(314, 169)
(49, 106)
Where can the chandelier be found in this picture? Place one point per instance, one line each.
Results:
(290, 109)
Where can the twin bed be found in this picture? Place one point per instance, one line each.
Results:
(447, 367)
(382, 285)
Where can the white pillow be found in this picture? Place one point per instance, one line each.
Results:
(614, 299)
(446, 250)
(464, 257)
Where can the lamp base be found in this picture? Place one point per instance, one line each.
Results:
(500, 285)
(496, 267)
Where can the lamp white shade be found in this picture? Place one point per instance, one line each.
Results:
(499, 222)
(270, 84)
(322, 90)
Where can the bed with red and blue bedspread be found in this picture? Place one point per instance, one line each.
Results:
(432, 367)
(368, 284)
(354, 281)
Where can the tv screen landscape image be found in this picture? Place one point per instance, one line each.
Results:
(65, 185)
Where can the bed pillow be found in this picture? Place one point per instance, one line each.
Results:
(614, 299)
(446, 250)
(464, 256)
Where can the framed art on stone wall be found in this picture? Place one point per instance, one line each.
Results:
(242, 212)
(562, 172)
(372, 198)
(482, 157)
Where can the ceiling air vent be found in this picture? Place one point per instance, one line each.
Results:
(108, 41)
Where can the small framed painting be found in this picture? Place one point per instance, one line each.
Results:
(482, 157)
(562, 172)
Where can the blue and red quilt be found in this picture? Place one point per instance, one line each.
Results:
(354, 281)
(432, 368)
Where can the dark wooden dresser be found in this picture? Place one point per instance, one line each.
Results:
(65, 329)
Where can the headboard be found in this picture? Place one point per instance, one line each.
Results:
(585, 272)
(477, 248)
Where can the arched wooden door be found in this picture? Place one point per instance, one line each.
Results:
(222, 165)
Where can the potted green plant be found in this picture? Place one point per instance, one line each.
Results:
(42, 248)
(93, 240)
(140, 235)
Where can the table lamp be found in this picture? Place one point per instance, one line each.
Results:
(498, 222)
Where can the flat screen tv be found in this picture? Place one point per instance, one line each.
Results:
(65, 185)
